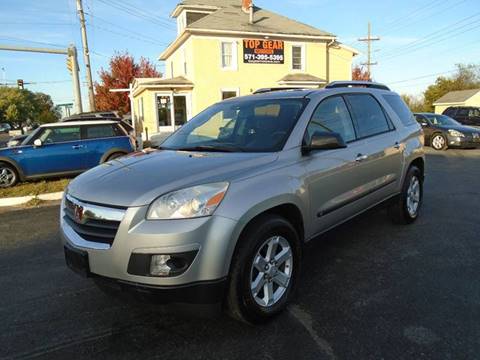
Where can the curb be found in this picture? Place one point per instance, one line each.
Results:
(14, 201)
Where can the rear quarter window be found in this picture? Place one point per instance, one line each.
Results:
(102, 131)
(400, 108)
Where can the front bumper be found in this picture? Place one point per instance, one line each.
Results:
(212, 238)
(463, 142)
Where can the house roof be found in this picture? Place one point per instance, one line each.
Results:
(230, 11)
(457, 96)
(179, 80)
(302, 78)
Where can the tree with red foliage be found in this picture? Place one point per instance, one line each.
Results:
(123, 70)
(359, 73)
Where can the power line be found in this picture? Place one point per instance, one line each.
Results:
(435, 41)
(135, 12)
(369, 39)
(450, 29)
(31, 41)
(423, 77)
(432, 15)
(122, 34)
(129, 32)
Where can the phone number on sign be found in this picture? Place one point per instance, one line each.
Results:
(263, 57)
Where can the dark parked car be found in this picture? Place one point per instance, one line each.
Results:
(466, 115)
(5, 128)
(442, 132)
(63, 149)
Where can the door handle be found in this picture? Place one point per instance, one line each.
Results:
(361, 157)
(397, 145)
(76, 147)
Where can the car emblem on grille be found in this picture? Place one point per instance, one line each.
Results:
(78, 213)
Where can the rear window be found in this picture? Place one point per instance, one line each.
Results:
(102, 131)
(368, 114)
(400, 108)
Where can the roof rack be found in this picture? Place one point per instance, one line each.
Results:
(272, 89)
(367, 84)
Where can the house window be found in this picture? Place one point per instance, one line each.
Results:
(227, 94)
(185, 62)
(229, 55)
(298, 57)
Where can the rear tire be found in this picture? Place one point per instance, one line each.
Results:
(438, 142)
(8, 175)
(265, 270)
(406, 206)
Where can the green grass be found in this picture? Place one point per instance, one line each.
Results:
(35, 188)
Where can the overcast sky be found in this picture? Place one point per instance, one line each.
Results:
(419, 38)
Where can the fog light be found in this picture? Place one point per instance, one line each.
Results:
(159, 265)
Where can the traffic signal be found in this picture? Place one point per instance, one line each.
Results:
(70, 60)
(20, 84)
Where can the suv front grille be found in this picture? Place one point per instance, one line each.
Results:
(92, 222)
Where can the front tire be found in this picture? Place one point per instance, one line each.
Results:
(406, 206)
(439, 142)
(265, 270)
(8, 176)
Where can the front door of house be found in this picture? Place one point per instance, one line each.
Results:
(164, 113)
(172, 111)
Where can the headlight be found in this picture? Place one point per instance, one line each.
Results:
(196, 201)
(456, 133)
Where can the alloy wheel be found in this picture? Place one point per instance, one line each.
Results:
(271, 271)
(7, 177)
(438, 142)
(413, 196)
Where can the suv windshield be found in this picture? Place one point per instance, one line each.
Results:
(441, 120)
(237, 126)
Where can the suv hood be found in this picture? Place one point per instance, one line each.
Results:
(140, 178)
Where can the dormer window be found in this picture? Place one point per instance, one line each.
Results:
(188, 17)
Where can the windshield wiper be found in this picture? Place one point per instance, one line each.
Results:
(210, 148)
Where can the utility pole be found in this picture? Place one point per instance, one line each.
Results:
(71, 52)
(369, 39)
(86, 56)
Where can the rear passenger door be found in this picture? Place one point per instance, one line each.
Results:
(379, 159)
(98, 139)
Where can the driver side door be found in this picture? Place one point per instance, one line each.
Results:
(61, 152)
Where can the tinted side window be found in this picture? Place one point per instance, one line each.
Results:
(474, 113)
(400, 108)
(449, 111)
(368, 115)
(332, 115)
(101, 131)
(462, 112)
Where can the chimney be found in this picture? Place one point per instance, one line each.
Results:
(247, 7)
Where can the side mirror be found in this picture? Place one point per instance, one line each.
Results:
(323, 140)
(37, 143)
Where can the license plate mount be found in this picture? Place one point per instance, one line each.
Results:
(77, 260)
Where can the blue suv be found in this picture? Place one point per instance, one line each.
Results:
(63, 149)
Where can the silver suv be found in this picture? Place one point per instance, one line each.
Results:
(219, 214)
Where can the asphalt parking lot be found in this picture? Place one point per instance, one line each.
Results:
(370, 290)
